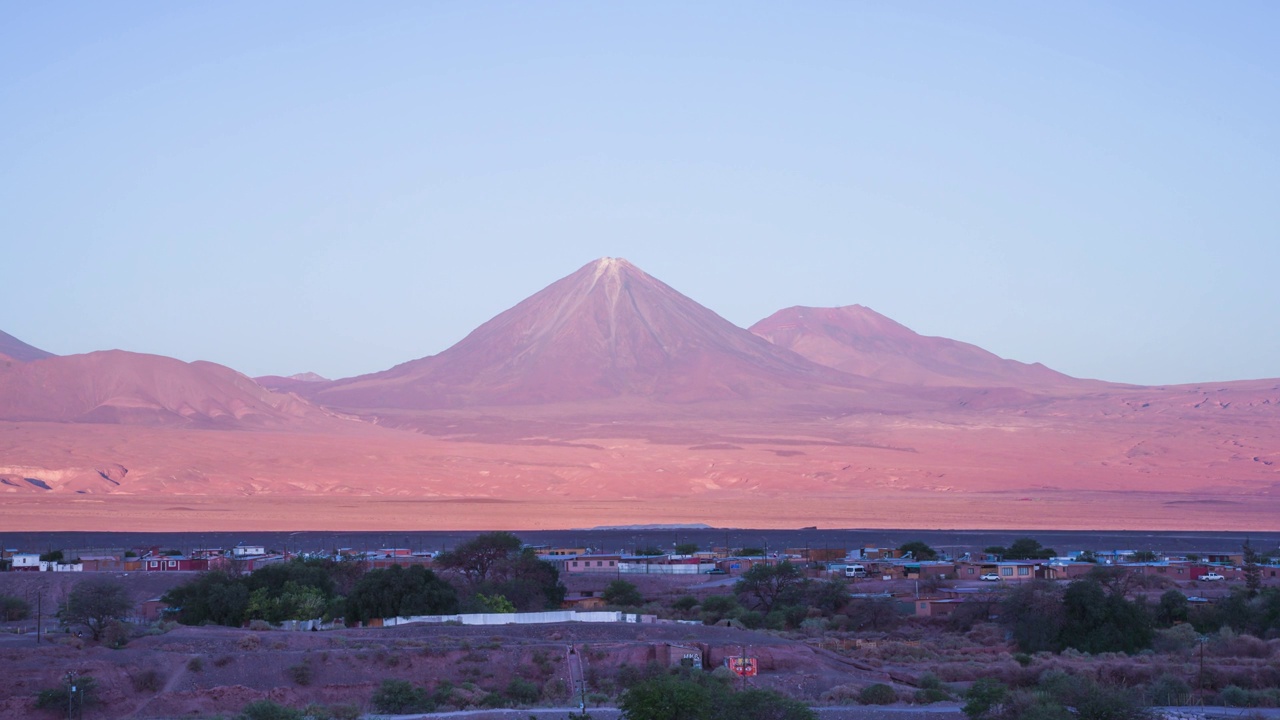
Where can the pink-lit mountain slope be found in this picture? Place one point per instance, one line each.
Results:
(130, 388)
(608, 330)
(860, 341)
(12, 348)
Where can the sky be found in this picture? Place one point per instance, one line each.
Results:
(341, 187)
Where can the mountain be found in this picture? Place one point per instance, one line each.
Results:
(858, 340)
(291, 383)
(608, 330)
(14, 349)
(120, 387)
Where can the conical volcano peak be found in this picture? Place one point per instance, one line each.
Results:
(607, 330)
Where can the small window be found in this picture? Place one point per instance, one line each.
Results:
(610, 563)
(599, 563)
(1006, 571)
(173, 563)
(970, 571)
(1024, 571)
(575, 563)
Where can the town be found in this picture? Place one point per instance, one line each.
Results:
(832, 626)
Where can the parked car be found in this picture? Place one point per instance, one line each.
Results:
(1212, 577)
(714, 571)
(989, 576)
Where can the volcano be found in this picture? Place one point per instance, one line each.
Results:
(14, 349)
(858, 340)
(608, 330)
(118, 387)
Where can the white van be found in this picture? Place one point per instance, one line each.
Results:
(855, 571)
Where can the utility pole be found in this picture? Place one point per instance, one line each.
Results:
(39, 614)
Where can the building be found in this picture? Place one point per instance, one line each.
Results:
(174, 563)
(592, 564)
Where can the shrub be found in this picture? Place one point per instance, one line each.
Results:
(1169, 689)
(878, 694)
(116, 634)
(300, 673)
(223, 661)
(929, 696)
(685, 603)
(147, 681)
(61, 698)
(522, 692)
(1233, 696)
(267, 710)
(398, 697)
(195, 664)
(13, 609)
(249, 643)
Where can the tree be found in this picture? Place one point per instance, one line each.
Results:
(396, 592)
(688, 548)
(1033, 614)
(649, 551)
(918, 550)
(476, 558)
(53, 556)
(667, 697)
(1252, 573)
(1173, 608)
(1095, 621)
(829, 596)
(94, 603)
(772, 585)
(1027, 549)
(212, 597)
(1145, 556)
(621, 592)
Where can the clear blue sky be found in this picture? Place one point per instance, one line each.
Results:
(340, 187)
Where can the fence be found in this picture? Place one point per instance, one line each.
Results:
(533, 618)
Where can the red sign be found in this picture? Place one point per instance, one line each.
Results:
(743, 666)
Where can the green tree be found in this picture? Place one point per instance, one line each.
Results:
(687, 548)
(53, 556)
(623, 593)
(13, 608)
(396, 592)
(1145, 556)
(1033, 614)
(477, 558)
(772, 586)
(1095, 621)
(667, 697)
(1027, 549)
(1252, 573)
(1173, 608)
(94, 603)
(919, 550)
(212, 597)
(829, 596)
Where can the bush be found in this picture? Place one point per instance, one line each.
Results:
(685, 603)
(267, 710)
(398, 697)
(1169, 689)
(522, 692)
(195, 664)
(61, 699)
(117, 634)
(13, 609)
(300, 673)
(147, 681)
(878, 694)
(1233, 696)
